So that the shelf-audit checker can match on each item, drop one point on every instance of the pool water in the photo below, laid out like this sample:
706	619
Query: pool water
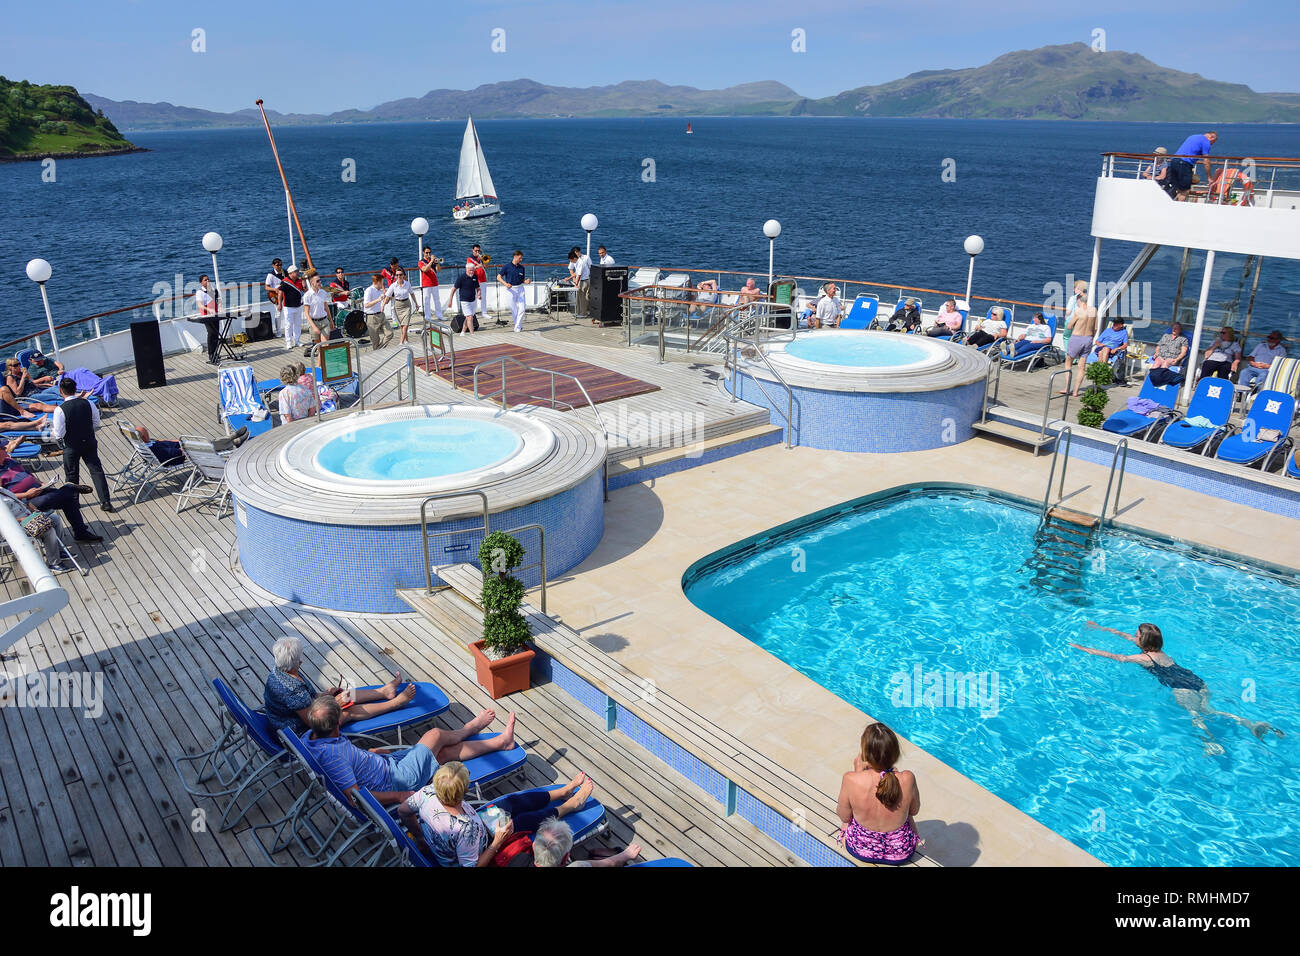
418	448
857	351
886	603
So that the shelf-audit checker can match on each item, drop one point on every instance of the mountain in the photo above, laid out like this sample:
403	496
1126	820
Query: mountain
510	99
1062	82
1070	81
40	121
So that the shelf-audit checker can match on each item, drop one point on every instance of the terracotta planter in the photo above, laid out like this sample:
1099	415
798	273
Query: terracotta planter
505	676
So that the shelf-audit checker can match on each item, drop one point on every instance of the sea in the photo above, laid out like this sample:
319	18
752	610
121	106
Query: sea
881	200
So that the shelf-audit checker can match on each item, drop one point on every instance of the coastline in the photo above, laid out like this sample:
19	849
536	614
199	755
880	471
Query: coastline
75	154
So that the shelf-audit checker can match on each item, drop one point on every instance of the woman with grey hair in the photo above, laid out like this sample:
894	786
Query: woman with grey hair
289	694
554	840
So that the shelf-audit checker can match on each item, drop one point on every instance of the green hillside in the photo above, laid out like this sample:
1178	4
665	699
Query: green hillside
52	121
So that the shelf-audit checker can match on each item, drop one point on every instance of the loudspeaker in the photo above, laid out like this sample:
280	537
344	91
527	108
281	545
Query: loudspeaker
263	330
146	342
607	283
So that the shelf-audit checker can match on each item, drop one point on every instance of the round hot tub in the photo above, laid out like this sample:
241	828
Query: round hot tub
865	390
328	514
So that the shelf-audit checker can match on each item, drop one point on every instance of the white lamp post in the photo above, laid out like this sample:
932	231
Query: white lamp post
212	243
38	270
974	245
771	229
589	223
419	226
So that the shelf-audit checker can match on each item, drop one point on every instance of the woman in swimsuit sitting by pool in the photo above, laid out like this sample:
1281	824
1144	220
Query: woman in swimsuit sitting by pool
1189	690
877	802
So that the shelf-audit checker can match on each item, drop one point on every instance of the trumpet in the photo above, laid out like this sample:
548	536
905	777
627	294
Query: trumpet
487	259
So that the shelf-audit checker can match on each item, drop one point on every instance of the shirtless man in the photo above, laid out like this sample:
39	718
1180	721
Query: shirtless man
1083	326
749	293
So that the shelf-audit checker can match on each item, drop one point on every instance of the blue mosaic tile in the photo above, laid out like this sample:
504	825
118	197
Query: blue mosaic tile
357	568
873	421
798	841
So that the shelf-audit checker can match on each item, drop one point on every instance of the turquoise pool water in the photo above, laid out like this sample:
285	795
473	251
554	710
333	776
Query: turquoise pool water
880	603
418	448
857	351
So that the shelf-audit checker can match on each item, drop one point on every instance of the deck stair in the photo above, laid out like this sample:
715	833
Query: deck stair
1062	548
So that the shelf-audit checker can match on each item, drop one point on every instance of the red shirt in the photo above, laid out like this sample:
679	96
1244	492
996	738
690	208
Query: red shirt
429	277
388	276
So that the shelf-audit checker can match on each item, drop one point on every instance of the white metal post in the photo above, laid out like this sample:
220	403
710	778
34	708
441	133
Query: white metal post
49	320
1194	353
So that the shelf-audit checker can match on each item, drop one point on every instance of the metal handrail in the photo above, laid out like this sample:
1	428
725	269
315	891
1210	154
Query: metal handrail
1068	434
435	361
758	351
1051	394
541	564
424	528
1120	458
406	352
600	420
313	353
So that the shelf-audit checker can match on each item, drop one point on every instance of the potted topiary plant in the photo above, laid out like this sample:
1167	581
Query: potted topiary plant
1094	397
502	658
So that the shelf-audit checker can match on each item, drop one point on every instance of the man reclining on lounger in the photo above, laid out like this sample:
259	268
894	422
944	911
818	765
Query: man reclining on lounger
388	776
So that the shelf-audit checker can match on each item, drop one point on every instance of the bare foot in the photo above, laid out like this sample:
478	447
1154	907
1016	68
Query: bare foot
578	800
508	735
481	721
578	779
406	696
389	690
1064	392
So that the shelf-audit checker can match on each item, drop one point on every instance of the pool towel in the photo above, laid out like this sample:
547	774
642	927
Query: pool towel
1200	421
104	389
1143	406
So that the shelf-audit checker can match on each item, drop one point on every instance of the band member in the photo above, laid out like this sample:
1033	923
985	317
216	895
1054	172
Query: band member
291	305
272	287
429	284
512	277
340	290
207	301
478	261
317	300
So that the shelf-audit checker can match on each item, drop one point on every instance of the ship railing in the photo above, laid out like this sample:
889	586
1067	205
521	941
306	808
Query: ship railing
1233	181
750	348
43	597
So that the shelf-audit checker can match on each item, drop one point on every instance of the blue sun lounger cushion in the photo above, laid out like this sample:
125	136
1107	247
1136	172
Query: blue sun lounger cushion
1263	434
1212	402
1129	422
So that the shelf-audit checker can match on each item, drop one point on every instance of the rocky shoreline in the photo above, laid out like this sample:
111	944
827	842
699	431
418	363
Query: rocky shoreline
76	154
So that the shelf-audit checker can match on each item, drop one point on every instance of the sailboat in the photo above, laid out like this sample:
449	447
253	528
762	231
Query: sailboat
475	191
688	129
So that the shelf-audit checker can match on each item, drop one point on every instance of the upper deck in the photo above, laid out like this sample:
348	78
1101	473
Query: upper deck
1248	206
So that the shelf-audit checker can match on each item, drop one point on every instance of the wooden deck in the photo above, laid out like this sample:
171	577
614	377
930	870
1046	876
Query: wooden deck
161	611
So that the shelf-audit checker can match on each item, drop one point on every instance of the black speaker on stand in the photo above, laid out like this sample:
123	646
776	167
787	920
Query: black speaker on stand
146	342
607	283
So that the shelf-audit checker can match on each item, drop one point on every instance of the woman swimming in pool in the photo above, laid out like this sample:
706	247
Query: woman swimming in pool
885	799
1189	690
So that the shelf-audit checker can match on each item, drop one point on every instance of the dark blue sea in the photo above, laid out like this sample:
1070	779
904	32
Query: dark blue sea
862	199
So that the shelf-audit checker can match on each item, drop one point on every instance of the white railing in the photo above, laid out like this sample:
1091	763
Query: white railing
46	598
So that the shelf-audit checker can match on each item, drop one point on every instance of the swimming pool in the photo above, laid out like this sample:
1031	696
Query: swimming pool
411	449
887	601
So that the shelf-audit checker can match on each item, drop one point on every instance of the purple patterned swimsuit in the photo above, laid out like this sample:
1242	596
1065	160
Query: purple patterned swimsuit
871	846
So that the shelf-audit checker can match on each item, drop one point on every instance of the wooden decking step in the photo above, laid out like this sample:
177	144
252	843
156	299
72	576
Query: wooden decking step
1074	517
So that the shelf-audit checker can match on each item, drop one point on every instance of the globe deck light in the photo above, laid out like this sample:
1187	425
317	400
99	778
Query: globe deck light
39	271
419	226
589	223
973	245
212	242
771	229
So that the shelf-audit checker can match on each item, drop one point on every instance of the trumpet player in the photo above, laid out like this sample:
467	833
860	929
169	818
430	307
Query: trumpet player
429	264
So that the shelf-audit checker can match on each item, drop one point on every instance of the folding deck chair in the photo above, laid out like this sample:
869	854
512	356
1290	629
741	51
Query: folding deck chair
143	470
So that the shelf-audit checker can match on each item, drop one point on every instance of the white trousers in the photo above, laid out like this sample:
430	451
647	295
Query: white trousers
292	326
517	306
429	295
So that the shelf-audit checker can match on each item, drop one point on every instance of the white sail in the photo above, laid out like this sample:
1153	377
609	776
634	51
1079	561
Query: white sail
472	178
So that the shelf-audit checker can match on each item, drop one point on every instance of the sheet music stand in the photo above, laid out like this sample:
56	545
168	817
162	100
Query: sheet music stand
224	348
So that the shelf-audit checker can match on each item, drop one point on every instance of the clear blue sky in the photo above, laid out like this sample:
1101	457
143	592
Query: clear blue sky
141	49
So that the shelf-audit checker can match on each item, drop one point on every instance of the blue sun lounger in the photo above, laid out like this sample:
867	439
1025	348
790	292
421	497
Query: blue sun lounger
1269	412
1130	423
1212	401
238	402
666	861
1292	469
862	313
1032	353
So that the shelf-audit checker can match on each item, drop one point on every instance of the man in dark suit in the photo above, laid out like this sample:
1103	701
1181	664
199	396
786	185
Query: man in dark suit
75	422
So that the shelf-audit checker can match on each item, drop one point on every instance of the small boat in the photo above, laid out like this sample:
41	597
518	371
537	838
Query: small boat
689	131
475	192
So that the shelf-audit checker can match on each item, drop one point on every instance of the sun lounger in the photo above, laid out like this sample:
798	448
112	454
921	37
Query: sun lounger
238	403
1264	434
862	313
1212	401
1030	354
1130	423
